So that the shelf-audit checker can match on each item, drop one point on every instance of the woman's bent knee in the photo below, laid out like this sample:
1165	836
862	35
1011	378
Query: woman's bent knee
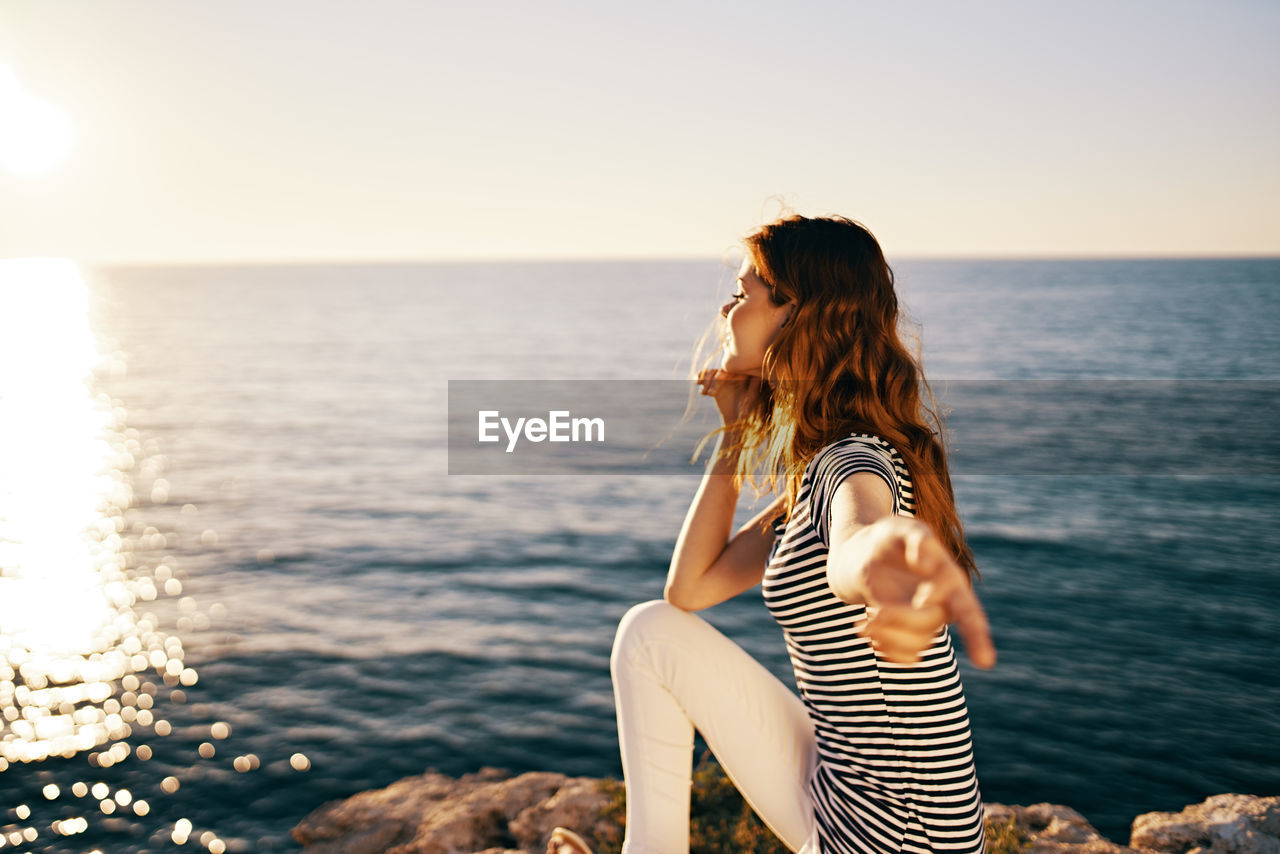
657	617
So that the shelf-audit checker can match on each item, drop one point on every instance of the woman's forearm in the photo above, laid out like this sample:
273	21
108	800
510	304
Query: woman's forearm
708	523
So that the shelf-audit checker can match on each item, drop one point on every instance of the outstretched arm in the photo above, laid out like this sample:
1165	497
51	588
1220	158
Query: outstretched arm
899	568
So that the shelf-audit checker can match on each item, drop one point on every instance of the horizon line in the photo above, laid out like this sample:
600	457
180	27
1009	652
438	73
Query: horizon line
630	259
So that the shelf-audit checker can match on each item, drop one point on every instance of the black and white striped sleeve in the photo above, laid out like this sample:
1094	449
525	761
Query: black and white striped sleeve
835	463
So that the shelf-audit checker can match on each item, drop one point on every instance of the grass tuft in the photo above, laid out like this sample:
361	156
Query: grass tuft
1006	837
719	819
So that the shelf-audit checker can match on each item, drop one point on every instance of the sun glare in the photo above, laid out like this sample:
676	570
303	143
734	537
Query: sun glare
35	135
69	635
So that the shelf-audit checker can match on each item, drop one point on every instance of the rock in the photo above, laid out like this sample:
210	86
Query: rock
489	812
1053	828
1222	824
575	805
492	812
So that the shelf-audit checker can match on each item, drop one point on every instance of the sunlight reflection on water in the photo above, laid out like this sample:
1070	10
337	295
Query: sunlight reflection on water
81	669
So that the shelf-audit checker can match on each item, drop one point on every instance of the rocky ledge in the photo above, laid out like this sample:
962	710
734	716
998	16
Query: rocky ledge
492	812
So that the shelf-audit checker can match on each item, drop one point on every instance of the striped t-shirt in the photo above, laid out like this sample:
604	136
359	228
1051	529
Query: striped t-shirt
895	769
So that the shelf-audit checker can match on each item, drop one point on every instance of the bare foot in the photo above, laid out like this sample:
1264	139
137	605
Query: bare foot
565	841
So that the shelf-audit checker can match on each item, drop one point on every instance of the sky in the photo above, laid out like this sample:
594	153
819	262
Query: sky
402	130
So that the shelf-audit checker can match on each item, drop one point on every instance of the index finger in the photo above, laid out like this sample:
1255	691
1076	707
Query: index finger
966	612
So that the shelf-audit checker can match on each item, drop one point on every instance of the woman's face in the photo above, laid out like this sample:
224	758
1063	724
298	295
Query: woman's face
752	322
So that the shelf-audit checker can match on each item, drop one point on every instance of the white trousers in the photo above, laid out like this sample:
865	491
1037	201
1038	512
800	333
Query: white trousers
674	672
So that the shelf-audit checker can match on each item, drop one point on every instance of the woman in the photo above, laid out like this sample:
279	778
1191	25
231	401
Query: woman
863	567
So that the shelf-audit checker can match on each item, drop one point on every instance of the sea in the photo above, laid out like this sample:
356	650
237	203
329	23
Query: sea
243	574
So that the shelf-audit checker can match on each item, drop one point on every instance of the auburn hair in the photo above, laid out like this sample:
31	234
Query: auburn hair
837	365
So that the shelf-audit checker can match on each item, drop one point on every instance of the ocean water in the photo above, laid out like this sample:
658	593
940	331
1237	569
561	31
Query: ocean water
283	598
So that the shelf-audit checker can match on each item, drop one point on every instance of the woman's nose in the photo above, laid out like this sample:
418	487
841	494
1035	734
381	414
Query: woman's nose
724	309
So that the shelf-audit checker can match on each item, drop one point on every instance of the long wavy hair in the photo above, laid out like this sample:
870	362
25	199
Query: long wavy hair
837	365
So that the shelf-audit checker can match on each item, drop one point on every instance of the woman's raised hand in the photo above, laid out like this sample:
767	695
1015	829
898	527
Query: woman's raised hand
729	390
912	587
